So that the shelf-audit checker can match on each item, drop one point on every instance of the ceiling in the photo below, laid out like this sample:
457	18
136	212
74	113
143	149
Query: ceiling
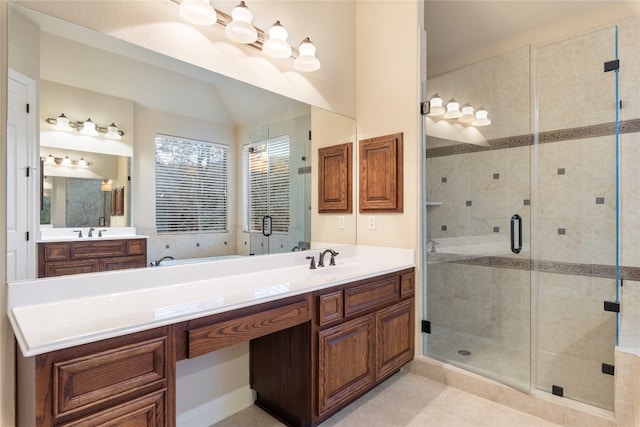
455	28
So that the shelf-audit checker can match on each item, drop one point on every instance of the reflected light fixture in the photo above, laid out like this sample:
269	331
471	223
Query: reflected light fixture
198	12
112	132
62	123
453	110
50	160
467	114
307	60
482	117
276	45
435	106
66	161
240	29
82	162
89	128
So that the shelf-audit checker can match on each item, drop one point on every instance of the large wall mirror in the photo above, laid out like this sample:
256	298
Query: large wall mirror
86	74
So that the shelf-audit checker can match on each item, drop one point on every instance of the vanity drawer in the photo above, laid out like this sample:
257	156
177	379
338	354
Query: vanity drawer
122	263
54	251
330	307
137	247
96	378
98	249
371	295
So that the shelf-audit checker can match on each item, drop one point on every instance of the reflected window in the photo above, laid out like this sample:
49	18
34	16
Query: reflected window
191	185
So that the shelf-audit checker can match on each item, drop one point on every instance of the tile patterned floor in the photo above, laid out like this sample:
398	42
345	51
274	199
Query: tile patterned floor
407	400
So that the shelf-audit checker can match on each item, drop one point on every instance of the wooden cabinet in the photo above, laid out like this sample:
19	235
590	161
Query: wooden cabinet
360	334
124	381
381	174
75	257
334	179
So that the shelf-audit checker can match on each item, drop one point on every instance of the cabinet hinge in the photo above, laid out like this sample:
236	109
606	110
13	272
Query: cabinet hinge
608	369
612	65
426	326
613	306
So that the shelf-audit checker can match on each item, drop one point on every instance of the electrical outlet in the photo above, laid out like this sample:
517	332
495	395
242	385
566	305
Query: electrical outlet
372	222
341	222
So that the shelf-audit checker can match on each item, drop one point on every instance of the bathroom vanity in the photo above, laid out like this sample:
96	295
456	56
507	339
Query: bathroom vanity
318	339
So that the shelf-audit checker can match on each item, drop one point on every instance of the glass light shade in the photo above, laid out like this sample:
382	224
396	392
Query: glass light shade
435	106
307	60
276	45
106	185
482	118
467	114
198	12
112	132
89	128
50	160
62	123
453	110
240	29
83	163
66	161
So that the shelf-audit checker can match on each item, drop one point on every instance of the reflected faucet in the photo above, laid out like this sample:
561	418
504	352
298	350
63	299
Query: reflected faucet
433	245
332	261
157	262
91	232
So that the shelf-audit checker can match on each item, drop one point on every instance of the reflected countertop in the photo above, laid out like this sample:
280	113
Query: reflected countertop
61	312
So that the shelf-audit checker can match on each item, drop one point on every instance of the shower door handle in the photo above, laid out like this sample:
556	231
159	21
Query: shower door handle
516	249
267	229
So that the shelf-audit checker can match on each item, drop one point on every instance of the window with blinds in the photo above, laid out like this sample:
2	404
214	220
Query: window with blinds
266	185
191	185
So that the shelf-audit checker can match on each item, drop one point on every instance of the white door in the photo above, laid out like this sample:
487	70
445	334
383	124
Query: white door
22	178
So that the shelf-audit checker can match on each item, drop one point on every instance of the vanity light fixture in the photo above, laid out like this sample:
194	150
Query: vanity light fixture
453	109
435	106
276	46
467	114
240	29
64	161
62	123
482	118
198	12
87	127
307	60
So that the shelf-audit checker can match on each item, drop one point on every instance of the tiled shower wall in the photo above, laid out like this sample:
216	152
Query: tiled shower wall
565	192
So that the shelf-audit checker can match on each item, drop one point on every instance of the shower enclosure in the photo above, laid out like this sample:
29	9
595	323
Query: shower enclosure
276	187
521	216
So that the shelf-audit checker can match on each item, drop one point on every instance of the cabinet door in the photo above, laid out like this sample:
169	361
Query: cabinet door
346	362
395	337
147	411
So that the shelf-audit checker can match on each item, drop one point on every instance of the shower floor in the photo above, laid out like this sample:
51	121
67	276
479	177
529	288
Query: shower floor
581	379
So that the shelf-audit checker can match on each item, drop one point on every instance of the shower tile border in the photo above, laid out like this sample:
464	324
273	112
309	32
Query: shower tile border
574	269
604	129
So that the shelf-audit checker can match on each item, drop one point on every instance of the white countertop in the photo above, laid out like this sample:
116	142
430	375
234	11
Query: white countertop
47	235
61	312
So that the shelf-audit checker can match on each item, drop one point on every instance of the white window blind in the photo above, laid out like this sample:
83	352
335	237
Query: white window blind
266	184
191	185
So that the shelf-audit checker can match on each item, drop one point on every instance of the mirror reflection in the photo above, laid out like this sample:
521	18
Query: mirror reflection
88	75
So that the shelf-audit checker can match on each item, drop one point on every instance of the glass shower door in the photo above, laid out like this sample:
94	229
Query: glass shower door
576	251
277	187
478	223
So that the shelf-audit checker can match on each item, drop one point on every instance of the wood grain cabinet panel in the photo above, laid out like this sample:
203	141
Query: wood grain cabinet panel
334	178
77	257
371	295
330	307
346	362
395	338
381	174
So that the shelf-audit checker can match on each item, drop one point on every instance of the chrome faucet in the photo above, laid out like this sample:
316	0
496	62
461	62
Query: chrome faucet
433	245
333	259
91	232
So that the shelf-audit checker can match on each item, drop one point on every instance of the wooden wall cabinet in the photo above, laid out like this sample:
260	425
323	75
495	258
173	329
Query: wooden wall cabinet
381	174
334	179
75	257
